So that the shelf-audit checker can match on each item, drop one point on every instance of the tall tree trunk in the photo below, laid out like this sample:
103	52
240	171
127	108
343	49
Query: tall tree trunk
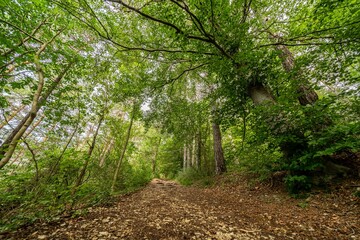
193	153
33	111
188	156
207	145
198	149
220	166
184	157
117	170
306	94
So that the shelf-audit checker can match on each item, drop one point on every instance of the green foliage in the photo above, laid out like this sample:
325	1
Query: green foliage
134	177
298	183
25	199
357	193
190	176
196	55
308	137
169	158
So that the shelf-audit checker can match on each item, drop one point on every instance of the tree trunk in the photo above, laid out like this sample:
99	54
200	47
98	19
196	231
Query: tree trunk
106	152
155	158
193	153
198	150
306	95
79	180
208	161
184	157
220	166
117	170
8	152
188	156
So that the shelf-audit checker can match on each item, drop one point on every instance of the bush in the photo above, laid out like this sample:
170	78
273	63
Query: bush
189	176
298	183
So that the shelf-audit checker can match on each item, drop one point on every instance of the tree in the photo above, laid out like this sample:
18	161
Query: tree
218	151
127	137
39	98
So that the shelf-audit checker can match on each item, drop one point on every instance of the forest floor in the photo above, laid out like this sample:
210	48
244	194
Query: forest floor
167	210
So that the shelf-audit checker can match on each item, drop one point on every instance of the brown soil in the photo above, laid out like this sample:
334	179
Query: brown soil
166	210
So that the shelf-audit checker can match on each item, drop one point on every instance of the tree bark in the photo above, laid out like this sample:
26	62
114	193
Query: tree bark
117	170
306	95
220	166
33	111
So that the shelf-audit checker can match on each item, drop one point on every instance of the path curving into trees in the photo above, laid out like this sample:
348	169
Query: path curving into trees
166	210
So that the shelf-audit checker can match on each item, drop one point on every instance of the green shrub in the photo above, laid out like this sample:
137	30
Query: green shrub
298	183
189	176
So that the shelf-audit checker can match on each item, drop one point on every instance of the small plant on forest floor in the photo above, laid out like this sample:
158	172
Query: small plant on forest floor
303	204
357	193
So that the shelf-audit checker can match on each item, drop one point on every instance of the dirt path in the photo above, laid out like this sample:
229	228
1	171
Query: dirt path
166	210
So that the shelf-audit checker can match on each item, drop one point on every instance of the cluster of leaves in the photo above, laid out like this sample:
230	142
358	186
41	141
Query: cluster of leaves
300	140
28	194
190	176
195	62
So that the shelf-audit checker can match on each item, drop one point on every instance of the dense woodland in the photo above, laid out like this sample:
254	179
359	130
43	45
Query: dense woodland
99	97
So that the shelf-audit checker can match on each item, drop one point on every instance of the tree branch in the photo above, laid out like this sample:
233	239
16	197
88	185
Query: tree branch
173	26
27	34
180	75
199	25
128	48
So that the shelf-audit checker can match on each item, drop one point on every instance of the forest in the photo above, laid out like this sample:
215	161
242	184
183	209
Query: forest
99	97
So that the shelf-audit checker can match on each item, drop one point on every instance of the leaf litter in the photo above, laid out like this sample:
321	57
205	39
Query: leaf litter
167	210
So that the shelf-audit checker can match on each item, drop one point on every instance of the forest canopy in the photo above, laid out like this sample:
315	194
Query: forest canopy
98	97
